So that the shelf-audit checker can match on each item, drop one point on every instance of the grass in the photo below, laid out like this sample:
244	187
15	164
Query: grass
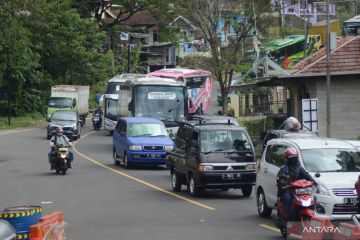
29	120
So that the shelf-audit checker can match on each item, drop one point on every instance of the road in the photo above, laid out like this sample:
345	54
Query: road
101	201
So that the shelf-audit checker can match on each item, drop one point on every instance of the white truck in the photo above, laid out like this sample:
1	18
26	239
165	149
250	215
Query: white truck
69	97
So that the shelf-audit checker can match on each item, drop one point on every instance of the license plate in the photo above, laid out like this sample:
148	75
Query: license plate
231	176
350	201
153	156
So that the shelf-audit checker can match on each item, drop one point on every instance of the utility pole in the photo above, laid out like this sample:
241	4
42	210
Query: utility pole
7	76
328	81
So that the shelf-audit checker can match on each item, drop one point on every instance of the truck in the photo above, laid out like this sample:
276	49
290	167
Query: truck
69	97
112	96
212	154
161	98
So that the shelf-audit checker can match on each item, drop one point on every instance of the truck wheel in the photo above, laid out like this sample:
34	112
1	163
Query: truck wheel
175	181
246	190
193	189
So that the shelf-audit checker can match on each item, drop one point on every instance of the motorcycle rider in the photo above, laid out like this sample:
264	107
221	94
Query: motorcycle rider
59	139
290	172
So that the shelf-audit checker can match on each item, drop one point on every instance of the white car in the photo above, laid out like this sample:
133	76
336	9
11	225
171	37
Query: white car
334	165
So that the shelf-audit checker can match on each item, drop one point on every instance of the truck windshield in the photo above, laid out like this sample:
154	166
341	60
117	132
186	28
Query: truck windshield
225	140
60	102
161	102
331	160
146	129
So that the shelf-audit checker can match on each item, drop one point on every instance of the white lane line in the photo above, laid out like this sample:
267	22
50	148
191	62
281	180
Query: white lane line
7	132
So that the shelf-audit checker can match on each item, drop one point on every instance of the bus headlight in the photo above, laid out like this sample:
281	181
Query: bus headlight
135	147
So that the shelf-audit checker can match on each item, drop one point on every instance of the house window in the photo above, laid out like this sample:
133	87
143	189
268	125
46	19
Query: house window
167	55
155	37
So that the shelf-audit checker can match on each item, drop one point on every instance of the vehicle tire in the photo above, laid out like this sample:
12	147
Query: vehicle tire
64	168
263	210
127	164
246	190
193	189
115	157
175	181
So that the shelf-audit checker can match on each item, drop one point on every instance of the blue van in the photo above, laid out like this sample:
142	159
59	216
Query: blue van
139	140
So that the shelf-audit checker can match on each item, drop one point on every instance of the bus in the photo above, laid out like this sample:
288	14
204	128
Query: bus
293	47
198	83
111	98
160	98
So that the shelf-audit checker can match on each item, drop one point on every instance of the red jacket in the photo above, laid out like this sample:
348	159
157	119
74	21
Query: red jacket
357	188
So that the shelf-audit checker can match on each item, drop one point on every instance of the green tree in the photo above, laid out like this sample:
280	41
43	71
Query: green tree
17	60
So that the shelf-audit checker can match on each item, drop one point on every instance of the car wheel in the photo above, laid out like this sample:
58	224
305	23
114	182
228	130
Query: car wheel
263	210
115	157
127	164
193	189
175	181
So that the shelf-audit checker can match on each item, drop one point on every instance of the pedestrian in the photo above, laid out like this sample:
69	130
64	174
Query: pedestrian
97	98
357	188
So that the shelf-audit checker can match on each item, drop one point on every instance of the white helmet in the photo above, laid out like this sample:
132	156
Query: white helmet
292	124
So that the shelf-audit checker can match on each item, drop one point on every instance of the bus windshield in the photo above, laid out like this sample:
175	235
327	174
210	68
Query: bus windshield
161	102
113	88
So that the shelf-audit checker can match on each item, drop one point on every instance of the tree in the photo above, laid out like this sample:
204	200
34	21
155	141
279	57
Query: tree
17	60
243	17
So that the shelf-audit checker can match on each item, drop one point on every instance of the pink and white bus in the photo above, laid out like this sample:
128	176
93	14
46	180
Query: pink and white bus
198	83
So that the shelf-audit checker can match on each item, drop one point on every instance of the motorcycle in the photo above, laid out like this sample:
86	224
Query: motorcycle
60	163
97	120
302	205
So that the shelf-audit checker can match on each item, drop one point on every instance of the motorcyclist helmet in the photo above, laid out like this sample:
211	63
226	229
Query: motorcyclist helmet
292	156
59	131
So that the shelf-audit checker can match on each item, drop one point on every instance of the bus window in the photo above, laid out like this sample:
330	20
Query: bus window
195	82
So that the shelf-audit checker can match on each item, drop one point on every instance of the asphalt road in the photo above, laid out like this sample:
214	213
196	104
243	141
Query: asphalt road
101	201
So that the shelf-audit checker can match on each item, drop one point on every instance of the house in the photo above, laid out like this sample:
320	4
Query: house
226	31
191	42
308	81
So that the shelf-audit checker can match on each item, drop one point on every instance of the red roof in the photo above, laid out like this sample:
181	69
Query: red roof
345	58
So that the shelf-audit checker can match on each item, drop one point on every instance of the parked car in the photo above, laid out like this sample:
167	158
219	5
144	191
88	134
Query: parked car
212	156
282	133
138	140
334	165
68	120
